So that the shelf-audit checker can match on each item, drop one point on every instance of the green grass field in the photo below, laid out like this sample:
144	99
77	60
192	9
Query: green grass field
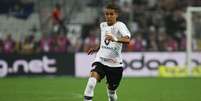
71	89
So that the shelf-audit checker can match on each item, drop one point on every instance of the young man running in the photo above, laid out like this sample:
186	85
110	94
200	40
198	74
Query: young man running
108	61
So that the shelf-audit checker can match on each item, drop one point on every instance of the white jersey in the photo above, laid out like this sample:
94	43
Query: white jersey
110	52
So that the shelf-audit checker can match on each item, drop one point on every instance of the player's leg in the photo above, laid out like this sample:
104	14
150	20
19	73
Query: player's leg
96	75
89	90
114	76
112	95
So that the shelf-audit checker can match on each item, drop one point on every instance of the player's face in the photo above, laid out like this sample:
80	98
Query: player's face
110	16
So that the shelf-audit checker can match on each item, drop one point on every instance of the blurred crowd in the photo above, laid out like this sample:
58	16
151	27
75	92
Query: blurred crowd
156	25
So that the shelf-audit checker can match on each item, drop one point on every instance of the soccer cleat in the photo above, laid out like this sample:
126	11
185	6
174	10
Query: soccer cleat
87	98
112	96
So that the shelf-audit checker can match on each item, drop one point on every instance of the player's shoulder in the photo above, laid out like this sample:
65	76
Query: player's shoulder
119	23
103	24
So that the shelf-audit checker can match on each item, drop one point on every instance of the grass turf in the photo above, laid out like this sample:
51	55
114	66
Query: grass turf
71	89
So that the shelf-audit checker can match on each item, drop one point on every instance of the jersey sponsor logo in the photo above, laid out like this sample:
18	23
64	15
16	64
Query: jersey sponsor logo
108	60
111	48
114	49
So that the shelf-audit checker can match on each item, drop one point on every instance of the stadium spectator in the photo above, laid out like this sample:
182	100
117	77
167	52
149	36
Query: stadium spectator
171	44
161	40
1	44
131	46
46	44
182	44
175	24
136	43
91	41
152	41
75	40
58	20
62	43
28	46
8	44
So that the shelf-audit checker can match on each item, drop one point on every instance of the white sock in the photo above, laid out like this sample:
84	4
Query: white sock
89	90
112	95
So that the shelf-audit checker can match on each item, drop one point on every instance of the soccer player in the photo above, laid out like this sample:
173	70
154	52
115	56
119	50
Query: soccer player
108	61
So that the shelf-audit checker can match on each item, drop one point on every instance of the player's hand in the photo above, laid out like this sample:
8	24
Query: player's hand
91	51
109	37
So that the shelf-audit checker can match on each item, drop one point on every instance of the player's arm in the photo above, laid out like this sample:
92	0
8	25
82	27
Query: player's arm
124	39
93	50
125	34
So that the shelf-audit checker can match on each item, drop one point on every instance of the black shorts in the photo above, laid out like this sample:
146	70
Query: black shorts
113	74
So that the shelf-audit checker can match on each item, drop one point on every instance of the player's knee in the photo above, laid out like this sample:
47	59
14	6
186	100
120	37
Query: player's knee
95	75
113	86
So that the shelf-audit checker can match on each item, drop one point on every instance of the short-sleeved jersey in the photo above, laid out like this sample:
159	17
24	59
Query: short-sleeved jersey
110	52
